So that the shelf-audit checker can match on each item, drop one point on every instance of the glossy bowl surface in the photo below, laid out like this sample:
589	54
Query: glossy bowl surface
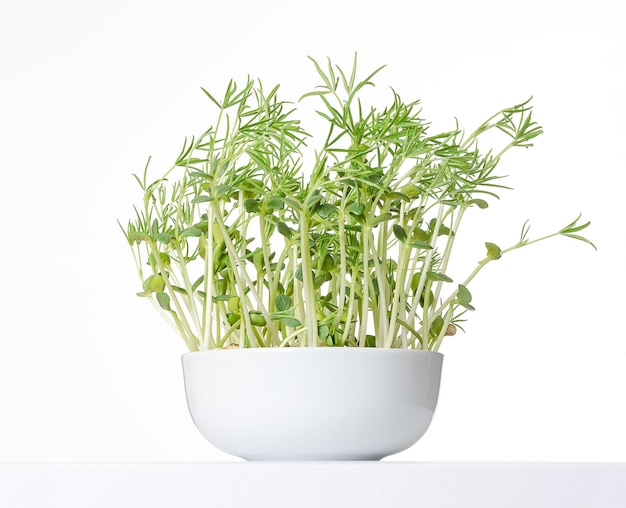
312	403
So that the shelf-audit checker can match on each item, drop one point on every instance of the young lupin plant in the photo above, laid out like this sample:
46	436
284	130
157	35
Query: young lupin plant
236	246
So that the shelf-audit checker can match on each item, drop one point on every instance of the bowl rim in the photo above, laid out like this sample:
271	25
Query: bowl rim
318	350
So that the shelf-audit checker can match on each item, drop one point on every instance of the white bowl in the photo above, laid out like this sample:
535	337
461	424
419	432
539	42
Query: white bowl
312	403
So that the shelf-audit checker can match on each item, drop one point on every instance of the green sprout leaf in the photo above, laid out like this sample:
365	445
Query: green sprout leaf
289	321
436	326
323	331
480	203
298	274
327	211
438	276
493	251
201	199
138	236
420	245
275	203
164	300
192	231
197	283
464	297
257	319
251	205
574	227
356	208
222	298
155	283
415	280
398	195
234	304
223	190
410	190
400	233
381	218
163	238
285	230
283	303
314	202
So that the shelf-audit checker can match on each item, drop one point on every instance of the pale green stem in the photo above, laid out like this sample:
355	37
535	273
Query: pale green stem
398	302
451	298
191	306
183	326
190	338
207	309
342	262
171	322
266	256
307	279
281	259
482	264
399	296
298	303
414	332
286	340
366	276
350	310
230	332
485	126
383	283
423	277
448	250
241	276
407	291
383	302
444	329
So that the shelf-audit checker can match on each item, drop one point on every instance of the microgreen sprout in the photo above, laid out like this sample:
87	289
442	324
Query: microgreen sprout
236	245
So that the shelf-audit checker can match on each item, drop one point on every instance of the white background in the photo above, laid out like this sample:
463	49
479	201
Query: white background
88	90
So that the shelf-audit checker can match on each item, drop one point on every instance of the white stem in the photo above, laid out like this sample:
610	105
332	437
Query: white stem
241	276
208	285
448	250
307	280
364	301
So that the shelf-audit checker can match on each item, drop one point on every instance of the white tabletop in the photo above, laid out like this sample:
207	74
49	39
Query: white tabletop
323	484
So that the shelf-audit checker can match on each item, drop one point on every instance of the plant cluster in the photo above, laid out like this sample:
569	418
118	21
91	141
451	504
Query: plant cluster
237	247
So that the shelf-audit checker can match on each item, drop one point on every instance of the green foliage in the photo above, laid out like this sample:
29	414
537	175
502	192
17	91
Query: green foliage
236	244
